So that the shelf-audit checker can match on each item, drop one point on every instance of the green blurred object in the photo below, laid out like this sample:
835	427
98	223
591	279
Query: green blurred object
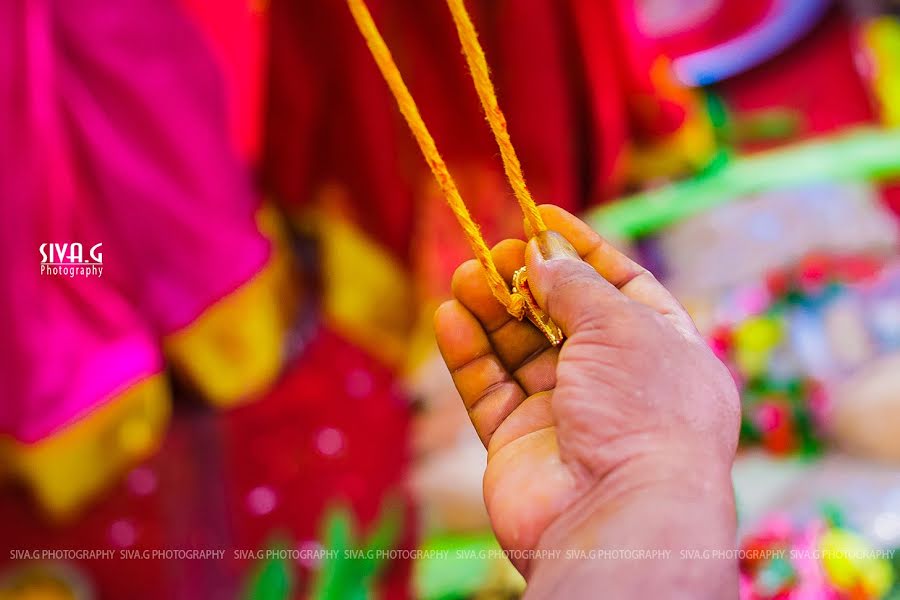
834	515
351	574
859	154
777	577
462	575
894	594
719	116
763	125
271	579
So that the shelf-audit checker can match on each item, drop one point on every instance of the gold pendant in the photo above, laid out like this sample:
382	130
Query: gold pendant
537	316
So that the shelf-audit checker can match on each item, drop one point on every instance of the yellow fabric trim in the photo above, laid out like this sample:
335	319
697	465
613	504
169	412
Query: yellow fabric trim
230	353
422	345
68	468
233	352
682	152
882	36
366	294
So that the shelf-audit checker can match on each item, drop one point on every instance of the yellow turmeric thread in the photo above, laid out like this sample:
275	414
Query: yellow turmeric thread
482	79
513	302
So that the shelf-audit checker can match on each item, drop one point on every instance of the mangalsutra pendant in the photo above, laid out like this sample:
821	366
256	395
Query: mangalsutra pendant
534	312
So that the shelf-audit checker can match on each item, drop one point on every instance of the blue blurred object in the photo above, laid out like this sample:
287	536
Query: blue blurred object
787	21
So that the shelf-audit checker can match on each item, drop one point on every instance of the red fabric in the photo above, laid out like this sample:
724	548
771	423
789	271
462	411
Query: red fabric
330	118
276	444
719	22
816	77
570	78
197	495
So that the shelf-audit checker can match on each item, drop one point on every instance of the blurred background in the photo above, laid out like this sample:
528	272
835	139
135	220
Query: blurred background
245	401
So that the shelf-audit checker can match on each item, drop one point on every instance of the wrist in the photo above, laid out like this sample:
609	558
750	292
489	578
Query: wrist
644	527
671	479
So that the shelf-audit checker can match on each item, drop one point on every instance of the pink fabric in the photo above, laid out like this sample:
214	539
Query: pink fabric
114	130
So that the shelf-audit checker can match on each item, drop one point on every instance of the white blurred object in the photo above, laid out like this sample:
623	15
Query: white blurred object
449	458
447	485
747	238
866	411
866	493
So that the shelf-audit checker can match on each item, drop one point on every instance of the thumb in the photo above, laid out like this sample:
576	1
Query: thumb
566	287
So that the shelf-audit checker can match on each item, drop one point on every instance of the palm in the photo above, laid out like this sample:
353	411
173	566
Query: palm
526	484
506	373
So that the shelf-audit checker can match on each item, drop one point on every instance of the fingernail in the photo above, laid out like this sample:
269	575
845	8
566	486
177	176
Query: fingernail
553	246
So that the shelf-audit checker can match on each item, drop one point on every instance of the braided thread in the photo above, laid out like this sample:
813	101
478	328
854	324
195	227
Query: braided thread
513	302
474	54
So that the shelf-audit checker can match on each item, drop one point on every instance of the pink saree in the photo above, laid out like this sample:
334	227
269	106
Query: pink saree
115	131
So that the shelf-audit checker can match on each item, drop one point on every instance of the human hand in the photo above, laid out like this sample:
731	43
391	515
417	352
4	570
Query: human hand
632	412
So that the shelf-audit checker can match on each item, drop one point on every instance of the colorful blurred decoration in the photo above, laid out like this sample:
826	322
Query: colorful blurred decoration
820	559
717	262
796	339
783	277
